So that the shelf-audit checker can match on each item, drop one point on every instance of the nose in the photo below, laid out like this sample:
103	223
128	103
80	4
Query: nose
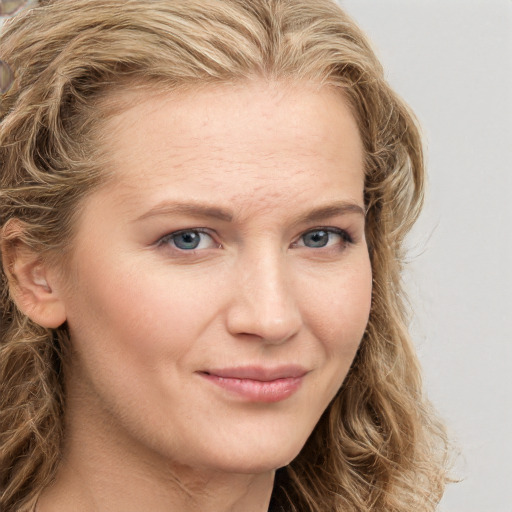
264	303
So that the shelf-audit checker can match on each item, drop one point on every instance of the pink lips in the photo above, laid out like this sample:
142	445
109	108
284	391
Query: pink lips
258	384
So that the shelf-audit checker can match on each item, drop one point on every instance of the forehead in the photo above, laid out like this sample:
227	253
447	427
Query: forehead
230	141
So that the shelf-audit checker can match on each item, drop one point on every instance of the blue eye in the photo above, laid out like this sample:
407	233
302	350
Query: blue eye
189	240
319	238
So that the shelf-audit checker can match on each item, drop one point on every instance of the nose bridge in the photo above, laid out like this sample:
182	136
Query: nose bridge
264	304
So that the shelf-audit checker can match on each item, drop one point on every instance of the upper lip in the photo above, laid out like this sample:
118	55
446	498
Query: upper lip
259	372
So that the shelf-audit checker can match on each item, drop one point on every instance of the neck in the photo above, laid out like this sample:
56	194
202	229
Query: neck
103	470
103	493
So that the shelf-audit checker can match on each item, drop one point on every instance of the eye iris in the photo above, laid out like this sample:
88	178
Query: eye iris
316	238
187	240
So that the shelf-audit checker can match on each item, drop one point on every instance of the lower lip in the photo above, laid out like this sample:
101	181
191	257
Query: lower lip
257	390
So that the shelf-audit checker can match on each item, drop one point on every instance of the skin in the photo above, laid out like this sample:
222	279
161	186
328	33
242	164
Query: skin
145	429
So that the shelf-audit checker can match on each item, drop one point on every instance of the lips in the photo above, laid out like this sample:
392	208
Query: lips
257	384
259	373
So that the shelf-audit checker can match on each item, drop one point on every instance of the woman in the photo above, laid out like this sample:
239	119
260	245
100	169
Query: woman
203	207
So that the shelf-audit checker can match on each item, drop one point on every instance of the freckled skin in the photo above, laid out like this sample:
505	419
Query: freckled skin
145	318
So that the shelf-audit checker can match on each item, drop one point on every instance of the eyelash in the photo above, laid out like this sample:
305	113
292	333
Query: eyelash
171	236
343	234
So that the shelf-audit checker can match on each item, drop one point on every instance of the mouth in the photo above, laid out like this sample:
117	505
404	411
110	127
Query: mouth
257	384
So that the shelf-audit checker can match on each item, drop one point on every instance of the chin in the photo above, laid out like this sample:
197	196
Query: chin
258	461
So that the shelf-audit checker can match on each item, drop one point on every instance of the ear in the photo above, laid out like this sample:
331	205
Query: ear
32	282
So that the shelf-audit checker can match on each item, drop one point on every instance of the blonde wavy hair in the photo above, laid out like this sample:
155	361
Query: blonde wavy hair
378	446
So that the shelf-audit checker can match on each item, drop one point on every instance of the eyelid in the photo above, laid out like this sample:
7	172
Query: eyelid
169	236
343	233
329	229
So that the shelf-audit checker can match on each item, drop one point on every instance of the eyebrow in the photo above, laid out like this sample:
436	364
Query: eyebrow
207	211
332	210
190	209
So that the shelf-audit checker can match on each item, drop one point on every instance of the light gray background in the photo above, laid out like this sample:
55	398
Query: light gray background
452	62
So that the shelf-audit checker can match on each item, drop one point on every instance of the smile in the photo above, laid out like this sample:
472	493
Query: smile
256	384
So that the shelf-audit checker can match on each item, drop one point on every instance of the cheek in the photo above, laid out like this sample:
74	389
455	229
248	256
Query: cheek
133	315
339	308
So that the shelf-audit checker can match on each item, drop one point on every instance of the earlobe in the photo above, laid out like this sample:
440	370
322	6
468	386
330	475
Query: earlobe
30	283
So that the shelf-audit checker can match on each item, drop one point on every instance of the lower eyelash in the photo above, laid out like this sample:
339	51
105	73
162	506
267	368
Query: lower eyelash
346	237
341	232
167	238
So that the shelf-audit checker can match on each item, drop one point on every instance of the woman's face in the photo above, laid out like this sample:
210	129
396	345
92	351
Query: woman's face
220	283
